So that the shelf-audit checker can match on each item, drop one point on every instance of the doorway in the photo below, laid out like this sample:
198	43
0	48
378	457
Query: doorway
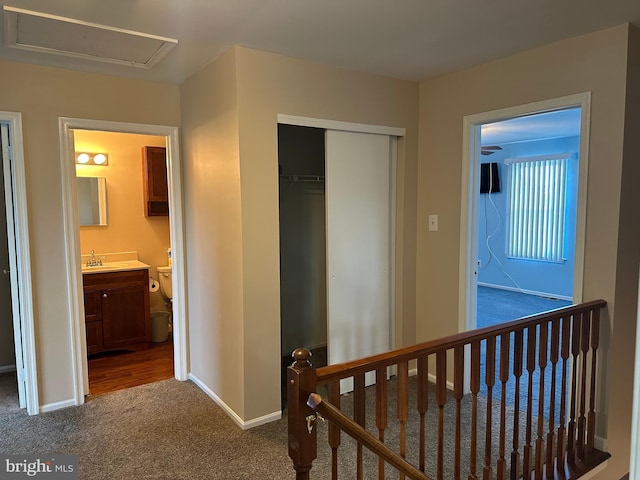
114	222
471	182
349	254
526	241
76	303
20	317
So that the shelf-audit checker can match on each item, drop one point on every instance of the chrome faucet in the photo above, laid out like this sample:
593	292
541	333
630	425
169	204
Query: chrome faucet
93	260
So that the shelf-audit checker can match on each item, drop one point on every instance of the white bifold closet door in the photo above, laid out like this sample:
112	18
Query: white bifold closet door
358	218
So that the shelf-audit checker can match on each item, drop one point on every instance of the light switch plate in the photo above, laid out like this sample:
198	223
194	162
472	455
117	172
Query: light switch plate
433	223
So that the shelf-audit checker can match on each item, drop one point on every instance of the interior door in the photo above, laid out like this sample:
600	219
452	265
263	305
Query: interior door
9	305
358	199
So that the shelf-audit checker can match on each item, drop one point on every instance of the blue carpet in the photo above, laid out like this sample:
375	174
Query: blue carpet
498	306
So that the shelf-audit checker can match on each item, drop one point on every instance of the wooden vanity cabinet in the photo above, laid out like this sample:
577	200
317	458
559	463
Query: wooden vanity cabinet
154	173
116	309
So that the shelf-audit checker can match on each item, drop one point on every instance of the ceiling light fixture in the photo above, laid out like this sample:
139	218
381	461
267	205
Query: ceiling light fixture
92	159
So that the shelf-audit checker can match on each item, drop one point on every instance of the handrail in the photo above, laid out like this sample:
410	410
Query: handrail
363	437
556	439
332	373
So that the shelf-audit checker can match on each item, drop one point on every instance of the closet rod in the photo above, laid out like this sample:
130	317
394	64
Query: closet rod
303	178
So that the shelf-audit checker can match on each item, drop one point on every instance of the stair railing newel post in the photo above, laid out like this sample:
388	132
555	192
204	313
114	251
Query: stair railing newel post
301	382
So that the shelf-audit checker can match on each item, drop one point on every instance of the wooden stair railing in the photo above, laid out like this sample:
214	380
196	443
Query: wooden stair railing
549	443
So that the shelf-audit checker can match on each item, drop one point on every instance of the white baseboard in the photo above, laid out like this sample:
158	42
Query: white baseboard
7	368
243	424
50	407
528	292
431	376
600	443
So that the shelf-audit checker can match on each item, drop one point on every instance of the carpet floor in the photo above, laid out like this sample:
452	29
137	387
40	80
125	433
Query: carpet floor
173	430
497	306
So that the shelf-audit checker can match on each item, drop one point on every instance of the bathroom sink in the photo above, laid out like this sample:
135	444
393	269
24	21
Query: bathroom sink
115	266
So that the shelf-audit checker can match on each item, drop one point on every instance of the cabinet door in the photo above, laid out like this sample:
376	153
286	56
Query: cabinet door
123	316
93	321
155	181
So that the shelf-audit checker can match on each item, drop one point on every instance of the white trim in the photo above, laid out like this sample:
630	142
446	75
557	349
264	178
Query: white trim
72	242
343	126
431	377
244	425
23	262
50	407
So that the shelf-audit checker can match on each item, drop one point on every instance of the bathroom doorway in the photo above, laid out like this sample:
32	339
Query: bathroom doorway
114	221
71	137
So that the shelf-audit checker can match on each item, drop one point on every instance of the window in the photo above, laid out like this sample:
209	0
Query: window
537	206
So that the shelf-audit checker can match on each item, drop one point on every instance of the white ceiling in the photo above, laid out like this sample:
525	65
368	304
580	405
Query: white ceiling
541	126
409	39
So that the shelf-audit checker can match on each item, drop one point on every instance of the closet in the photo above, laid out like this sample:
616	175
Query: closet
335	242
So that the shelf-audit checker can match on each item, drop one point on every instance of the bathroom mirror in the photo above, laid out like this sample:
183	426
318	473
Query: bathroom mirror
92	200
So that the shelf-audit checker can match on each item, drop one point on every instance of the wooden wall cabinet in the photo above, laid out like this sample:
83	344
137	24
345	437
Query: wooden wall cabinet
154	173
116	308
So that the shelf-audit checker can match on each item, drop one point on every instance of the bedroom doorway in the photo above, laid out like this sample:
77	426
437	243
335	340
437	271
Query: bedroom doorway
471	259
519	272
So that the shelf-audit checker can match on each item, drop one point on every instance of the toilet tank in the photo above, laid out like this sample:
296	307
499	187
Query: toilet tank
165	279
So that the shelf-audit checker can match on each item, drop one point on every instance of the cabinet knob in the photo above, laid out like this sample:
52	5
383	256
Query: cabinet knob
104	295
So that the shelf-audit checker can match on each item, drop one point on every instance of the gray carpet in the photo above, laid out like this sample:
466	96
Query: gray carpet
172	430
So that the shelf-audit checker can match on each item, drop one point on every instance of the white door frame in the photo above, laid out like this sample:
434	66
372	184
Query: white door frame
20	264
72	243
394	133
471	178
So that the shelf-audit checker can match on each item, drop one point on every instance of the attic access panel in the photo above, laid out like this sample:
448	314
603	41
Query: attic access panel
41	32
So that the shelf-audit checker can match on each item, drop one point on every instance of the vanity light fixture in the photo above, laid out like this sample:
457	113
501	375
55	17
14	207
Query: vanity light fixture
92	159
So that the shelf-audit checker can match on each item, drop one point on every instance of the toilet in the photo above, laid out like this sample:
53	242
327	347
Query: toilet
166	289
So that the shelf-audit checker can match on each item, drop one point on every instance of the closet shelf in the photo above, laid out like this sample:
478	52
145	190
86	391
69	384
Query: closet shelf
302	178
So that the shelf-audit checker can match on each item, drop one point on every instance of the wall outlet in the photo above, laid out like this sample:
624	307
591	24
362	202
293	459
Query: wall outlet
433	223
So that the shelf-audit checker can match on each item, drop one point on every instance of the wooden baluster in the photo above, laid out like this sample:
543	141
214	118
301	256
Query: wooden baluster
542	363
458	391
333	431
504	377
564	354
475	388
575	350
518	353
555	347
423	404
441	400
490	380
595	339
381	411
527	464
403	407
301	382
359	416
585	336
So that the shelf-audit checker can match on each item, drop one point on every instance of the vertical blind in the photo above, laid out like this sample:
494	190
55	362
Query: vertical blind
537	207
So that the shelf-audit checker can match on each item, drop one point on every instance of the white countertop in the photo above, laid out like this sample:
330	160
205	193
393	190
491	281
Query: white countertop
114	262
115	266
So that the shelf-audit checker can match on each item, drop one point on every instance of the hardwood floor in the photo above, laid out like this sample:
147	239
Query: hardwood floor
111	371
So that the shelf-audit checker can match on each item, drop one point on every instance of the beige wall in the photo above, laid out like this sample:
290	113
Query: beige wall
128	228
231	182
43	95
595	63
270	84
213	218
